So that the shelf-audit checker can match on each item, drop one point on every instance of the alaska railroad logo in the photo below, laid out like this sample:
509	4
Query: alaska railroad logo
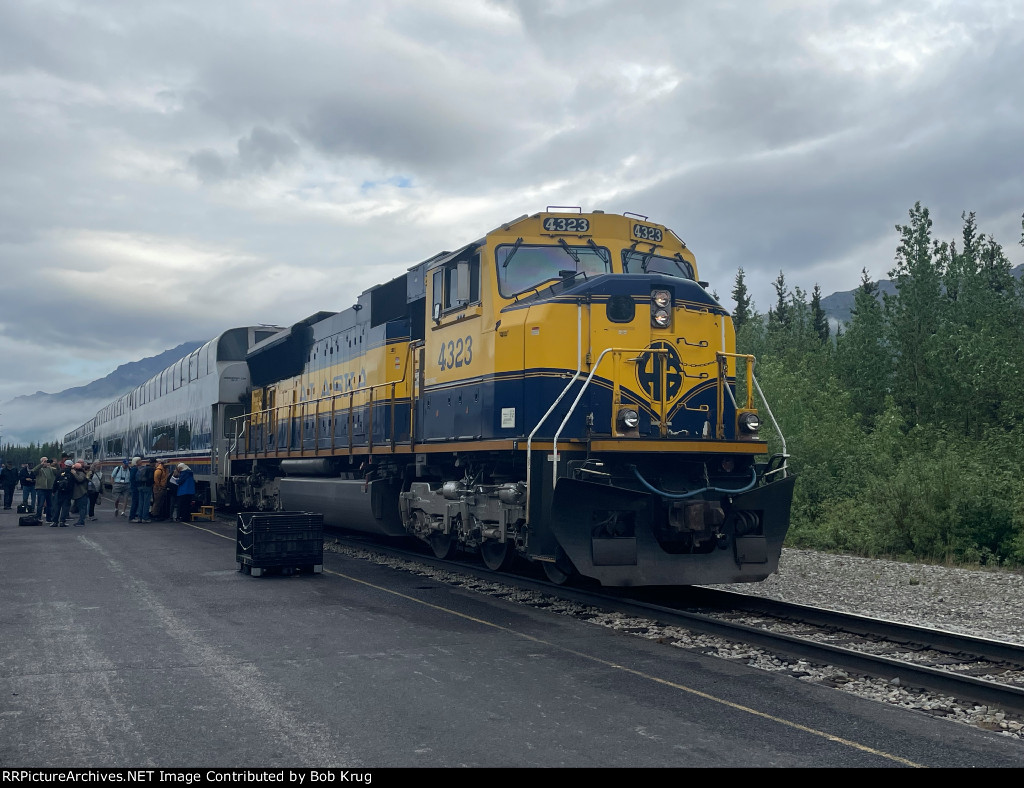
648	372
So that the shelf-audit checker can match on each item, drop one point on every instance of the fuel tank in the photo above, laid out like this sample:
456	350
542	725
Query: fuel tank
359	505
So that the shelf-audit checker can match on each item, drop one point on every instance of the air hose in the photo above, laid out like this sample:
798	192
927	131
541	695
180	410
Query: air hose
682	496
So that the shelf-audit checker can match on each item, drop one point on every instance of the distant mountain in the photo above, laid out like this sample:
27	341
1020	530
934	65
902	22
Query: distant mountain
839	306
45	417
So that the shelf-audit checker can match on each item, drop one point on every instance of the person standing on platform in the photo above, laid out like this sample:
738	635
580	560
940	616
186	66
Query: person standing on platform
133	474
45	477
80	493
95	474
160	475
144	483
64	490
8	481
185	482
120	479
28	486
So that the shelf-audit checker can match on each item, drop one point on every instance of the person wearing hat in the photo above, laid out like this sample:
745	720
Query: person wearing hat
185	483
119	481
45	477
64	486
160	497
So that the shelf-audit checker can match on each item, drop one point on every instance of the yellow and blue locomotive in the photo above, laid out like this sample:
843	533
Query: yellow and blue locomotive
563	390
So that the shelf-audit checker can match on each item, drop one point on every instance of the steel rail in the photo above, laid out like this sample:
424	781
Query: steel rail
894	631
911	676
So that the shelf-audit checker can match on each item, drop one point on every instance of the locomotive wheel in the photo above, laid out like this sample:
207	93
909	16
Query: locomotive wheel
497	556
560	570
444	546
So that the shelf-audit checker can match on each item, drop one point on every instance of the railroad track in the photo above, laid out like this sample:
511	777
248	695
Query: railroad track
983	671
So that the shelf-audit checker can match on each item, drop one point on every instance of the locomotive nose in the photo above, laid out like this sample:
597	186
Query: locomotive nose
654	340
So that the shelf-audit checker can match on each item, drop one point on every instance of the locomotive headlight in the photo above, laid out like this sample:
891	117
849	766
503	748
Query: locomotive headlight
661	298
749	422
660	318
629	418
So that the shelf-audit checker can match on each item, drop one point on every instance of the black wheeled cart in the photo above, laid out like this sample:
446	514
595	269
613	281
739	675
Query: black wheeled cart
279	541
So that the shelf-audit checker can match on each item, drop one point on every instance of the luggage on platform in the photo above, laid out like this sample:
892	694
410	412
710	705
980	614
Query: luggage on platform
29	519
23	508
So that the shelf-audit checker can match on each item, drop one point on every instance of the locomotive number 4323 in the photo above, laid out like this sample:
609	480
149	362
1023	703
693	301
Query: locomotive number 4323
456	353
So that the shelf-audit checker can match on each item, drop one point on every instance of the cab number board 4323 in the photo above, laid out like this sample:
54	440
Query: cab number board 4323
645	233
456	353
567	224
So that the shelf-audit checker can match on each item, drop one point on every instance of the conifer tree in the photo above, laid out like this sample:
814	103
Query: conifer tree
863	357
981	324
744	305
780	317
914	316
818	319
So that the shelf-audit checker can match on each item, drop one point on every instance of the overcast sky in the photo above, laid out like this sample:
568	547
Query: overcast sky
171	169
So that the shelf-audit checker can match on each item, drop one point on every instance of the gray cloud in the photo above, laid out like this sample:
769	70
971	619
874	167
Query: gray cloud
171	169
259	152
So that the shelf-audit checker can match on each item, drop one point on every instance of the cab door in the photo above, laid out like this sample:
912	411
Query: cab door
452	401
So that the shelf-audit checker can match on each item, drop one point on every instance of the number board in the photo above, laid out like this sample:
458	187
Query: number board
646	233
567	224
456	353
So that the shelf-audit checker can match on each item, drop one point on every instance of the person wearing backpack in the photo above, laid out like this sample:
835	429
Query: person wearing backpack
45	477
64	489
144	483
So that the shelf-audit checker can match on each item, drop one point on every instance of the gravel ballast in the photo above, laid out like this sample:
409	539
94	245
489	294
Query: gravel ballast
983	603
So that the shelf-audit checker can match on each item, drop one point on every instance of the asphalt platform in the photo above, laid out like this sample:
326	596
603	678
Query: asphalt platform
141	645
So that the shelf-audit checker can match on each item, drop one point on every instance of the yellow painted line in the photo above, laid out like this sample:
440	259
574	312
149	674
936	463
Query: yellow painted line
614	666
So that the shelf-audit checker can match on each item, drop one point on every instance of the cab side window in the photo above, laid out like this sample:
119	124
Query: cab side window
455	285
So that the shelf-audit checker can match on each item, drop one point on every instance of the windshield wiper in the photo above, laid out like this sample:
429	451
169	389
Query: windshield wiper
688	270
627	256
599	252
569	251
515	248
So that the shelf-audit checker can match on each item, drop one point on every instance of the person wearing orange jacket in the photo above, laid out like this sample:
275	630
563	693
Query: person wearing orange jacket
160	476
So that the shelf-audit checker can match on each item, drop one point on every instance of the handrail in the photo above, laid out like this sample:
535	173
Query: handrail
767	407
722	360
333	396
583	388
752	385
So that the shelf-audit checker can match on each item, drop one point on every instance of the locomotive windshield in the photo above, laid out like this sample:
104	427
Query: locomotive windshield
649	263
522	266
